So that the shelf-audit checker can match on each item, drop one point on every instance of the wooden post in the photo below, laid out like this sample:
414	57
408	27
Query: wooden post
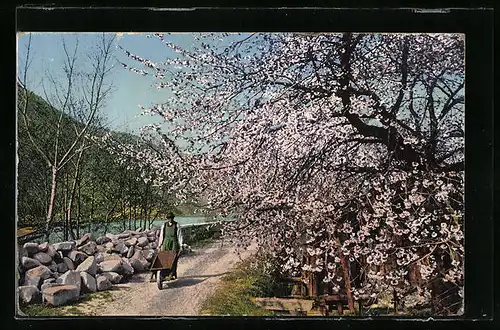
309	284
326	310
395	300
340	308
313	279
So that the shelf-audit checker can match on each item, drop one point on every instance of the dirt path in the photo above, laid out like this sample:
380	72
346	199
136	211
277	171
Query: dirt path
198	275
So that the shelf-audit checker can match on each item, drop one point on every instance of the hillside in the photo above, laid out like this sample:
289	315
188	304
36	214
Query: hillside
101	190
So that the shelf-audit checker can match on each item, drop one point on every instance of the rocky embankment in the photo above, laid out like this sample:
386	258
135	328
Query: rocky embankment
62	272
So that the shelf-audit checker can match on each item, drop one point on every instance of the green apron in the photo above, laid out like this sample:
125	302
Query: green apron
170	240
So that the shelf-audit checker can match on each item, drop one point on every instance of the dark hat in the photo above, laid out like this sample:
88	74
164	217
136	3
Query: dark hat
170	215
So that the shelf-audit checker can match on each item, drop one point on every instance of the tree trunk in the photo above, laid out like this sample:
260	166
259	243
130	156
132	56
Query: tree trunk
445	298
79	206
67	227
152	220
129	215
122	211
73	190
110	212
92	205
395	301
130	205
347	280
50	211
143	225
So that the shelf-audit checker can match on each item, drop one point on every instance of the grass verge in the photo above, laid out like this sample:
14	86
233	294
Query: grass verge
75	309
234	292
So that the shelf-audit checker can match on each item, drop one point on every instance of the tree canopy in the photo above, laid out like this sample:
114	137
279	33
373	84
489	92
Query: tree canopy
341	153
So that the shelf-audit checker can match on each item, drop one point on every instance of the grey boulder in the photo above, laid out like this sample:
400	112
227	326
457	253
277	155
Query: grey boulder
120	248
111	266
52	252
148	254
71	277
89	283
31	247
100	248
112	257
62	267
128	270
99	257
29	294
44	258
29	263
53	267
102	240
69	263
109	247
138	261
61	294
65	246
90	248
131	242
43	247
124	235
76	256
131	251
137	265
85	239
111	236
89	266
113	277
103	283
22	252
34	275
48	285
142	241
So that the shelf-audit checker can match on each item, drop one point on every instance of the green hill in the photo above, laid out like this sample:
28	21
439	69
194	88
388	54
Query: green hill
105	189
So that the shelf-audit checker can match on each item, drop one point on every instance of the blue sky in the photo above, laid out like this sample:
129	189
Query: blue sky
131	89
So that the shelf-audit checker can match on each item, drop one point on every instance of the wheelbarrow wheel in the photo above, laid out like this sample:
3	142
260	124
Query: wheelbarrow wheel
159	280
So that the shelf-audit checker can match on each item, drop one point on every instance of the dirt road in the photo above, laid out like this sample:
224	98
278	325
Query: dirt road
198	274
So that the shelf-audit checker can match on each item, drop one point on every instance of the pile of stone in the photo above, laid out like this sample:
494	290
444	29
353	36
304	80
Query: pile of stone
62	272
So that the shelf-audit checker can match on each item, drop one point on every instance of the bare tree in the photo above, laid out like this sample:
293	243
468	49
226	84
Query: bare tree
79	94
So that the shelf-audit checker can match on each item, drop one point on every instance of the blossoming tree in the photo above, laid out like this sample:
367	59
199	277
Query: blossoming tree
342	154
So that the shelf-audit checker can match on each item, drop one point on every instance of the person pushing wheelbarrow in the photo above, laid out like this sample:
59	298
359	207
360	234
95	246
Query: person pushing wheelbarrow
170	240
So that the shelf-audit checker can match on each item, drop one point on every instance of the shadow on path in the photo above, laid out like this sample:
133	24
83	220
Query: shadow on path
190	280
139	278
184	282
204	276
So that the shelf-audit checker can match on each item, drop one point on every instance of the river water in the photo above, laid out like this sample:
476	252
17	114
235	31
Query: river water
119	226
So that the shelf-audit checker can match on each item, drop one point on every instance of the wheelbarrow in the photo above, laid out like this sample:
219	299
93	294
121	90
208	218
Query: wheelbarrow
163	262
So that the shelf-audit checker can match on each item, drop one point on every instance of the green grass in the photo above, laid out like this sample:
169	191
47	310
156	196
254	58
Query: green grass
72	309
105	295
233	294
36	310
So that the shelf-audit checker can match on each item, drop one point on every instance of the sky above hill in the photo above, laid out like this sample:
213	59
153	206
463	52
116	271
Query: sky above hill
131	90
